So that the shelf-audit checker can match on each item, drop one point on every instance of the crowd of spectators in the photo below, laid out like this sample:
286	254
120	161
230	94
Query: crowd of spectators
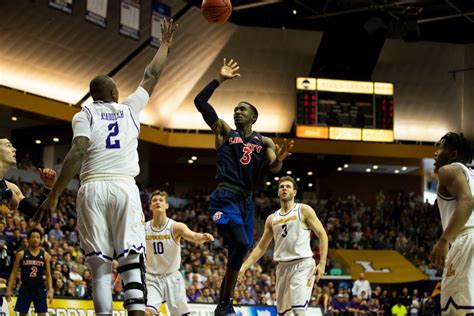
404	223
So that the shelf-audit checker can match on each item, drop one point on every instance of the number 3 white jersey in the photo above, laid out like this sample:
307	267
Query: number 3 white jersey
292	237
163	253
112	129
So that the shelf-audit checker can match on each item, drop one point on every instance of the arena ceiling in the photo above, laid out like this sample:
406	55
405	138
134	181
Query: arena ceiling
52	54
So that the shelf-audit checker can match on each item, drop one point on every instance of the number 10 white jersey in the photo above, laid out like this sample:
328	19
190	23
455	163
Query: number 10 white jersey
112	129
163	253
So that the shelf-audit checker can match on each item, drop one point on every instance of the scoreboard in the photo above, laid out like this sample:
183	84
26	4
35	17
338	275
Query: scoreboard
343	109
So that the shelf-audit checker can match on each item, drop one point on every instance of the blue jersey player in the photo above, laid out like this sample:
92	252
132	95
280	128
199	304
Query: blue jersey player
241	154
35	265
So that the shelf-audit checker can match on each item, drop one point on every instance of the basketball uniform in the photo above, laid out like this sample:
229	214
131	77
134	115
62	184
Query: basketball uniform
239	161
110	217
164	282
32	287
296	266
457	286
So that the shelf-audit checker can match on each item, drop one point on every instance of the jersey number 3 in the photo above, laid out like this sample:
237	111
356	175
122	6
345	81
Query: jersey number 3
246	158
114	130
285	230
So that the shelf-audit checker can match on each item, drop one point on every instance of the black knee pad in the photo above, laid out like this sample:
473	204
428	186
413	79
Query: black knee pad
135	285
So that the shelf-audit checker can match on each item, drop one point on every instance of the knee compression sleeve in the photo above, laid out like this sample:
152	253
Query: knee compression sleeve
132	270
102	278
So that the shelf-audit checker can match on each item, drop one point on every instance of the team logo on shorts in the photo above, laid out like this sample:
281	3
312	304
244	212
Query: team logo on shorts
217	216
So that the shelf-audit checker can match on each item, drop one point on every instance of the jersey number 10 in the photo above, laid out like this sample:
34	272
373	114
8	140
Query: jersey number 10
158	248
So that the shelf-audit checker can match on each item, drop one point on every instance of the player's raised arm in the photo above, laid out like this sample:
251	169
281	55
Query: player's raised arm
313	222
454	180
180	230
228	71
261	247
277	153
155	67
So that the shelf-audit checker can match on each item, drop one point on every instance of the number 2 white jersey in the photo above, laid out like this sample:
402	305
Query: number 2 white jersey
447	205
163	253
112	129
292	237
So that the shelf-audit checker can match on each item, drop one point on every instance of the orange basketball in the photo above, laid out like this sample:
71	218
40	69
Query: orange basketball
216	11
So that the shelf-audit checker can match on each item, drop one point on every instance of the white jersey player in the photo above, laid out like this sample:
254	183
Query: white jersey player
110	218
290	227
163	258
455	203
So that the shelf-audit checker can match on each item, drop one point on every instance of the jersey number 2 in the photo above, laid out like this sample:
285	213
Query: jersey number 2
245	160
34	272
114	130
158	248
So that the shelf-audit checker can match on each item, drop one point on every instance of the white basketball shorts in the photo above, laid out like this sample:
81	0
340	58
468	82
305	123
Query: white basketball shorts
110	219
294	284
168	288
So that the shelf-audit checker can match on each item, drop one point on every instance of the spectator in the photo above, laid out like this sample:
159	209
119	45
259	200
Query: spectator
361	285
205	297
399	309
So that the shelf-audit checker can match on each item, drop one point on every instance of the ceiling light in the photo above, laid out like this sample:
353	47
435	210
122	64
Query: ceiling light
310	173
14	118
397	171
298	179
404	168
346	166
268	183
375	167
55	139
38	141
276	178
368	170
339	169
294	12
310	185
289	172
190	161
194	158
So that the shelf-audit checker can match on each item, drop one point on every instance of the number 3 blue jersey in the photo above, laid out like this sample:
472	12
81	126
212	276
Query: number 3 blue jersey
240	159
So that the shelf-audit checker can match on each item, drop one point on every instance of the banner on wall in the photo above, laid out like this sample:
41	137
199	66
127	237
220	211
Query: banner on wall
67	307
159	12
130	18
96	12
61	5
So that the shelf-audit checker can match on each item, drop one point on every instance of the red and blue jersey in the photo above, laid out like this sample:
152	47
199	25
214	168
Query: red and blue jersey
240	159
32	270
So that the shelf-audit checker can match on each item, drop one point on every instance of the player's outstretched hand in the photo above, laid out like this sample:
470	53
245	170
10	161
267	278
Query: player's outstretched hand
319	272
48	176
43	214
202	238
167	31
439	253
229	70
241	276
284	150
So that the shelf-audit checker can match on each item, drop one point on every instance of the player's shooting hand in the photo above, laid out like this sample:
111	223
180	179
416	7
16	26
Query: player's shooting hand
439	253
8	295
319	272
50	296
167	31
48	176
43	213
284	150
229	70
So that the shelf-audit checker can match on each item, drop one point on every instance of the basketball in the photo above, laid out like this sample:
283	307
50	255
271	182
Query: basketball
216	11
